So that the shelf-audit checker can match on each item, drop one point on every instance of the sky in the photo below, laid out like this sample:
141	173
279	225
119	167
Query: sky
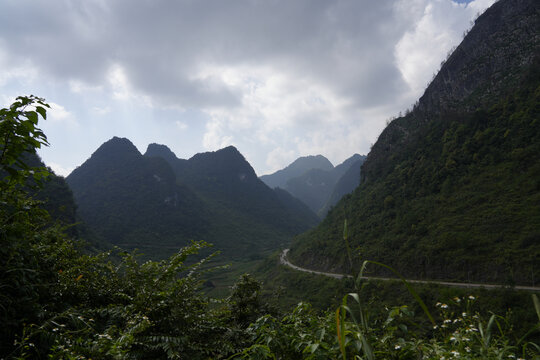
278	79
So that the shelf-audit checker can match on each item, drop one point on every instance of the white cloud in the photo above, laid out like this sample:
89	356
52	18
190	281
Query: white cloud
119	83
479	6
439	27
279	156
180	125
59	169
277	78
15	68
58	114
214	138
101	110
79	87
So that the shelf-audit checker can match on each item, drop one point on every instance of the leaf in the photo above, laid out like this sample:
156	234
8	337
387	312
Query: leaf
536	306
409	287
32	116
41	110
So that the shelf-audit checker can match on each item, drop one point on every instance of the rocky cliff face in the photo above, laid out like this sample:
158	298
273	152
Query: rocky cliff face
491	59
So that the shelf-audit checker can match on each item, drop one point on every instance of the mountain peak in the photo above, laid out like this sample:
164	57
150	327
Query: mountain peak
489	64
226	154
297	168
471	77
226	160
117	149
312	162
230	150
159	150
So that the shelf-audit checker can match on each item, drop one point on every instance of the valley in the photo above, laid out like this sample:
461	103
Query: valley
146	255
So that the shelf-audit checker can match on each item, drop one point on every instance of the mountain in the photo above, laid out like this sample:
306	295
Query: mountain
451	190
134	201
229	186
345	185
341	169
295	169
55	195
159	203
313	186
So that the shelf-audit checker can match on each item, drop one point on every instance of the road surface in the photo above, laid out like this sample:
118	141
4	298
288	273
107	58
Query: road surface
286	262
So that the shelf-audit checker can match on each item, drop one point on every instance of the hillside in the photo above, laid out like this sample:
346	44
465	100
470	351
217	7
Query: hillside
295	169
55	194
159	203
451	190
344	185
313	180
133	201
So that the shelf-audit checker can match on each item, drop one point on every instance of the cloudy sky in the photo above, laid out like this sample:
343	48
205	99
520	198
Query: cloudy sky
278	79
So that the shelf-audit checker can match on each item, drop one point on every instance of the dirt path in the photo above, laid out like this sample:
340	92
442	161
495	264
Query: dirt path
286	262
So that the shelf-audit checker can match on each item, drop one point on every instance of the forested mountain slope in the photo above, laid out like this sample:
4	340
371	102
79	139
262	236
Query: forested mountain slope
244	209
159	203
134	201
55	194
452	190
314	180
344	185
315	186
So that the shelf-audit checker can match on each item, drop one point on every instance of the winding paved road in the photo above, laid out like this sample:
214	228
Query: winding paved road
284	261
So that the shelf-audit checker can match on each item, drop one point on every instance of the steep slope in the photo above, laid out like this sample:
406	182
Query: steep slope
345	185
295	169
296	205
315	186
341	169
55	194
134	201
158	202
451	190
244	210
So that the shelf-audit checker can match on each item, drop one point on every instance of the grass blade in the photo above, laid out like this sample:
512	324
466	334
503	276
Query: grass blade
409	287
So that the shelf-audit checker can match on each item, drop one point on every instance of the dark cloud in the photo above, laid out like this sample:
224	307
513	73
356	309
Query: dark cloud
162	44
277	78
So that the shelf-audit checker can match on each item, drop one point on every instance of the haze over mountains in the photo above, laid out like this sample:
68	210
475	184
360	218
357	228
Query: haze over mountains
315	181
451	190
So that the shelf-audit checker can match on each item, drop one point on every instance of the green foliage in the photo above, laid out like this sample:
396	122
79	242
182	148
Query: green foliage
127	310
159	203
19	134
461	332
60	303
245	301
458	201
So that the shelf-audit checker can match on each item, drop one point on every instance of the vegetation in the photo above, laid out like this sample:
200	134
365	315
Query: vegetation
458	201
159	203
459	190
59	303
316	182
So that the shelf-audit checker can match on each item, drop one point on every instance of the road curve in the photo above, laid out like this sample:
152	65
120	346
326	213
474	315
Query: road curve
284	261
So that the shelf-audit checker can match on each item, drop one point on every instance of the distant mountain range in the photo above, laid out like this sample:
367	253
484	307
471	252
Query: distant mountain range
158	203
316	182
452	189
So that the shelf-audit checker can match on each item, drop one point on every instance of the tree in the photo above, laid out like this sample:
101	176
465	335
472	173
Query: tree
19	134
